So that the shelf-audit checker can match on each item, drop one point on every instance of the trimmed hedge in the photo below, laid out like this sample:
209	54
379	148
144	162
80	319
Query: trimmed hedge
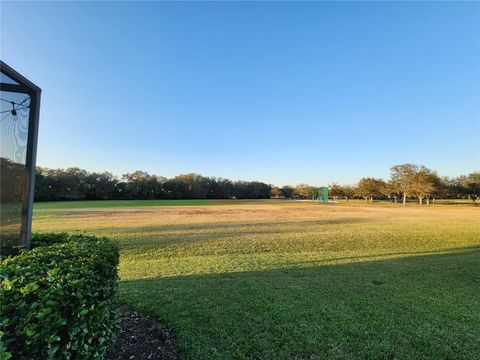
57	301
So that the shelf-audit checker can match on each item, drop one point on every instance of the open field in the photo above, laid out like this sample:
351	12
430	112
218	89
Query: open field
87	204
298	280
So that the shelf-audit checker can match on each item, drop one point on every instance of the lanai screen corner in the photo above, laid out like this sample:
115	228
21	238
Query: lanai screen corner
19	115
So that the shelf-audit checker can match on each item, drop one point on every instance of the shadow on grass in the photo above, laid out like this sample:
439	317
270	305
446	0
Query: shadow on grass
466	203
254	225
419	307
184	234
395	255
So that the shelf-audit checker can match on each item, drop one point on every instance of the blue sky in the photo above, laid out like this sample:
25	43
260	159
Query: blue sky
279	92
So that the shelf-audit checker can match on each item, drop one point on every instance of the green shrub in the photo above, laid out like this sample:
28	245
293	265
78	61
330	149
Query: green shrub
57	301
47	239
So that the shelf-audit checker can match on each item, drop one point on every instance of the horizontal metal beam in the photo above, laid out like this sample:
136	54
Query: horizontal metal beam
16	88
20	79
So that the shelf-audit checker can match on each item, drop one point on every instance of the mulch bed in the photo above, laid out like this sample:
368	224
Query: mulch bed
143	337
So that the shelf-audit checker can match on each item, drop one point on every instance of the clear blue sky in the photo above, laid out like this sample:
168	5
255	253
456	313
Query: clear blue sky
279	92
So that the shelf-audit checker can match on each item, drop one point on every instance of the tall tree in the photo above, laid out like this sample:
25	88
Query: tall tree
276	192
139	185
469	185
336	190
390	191
440	187
368	188
423	184
403	179
287	191
304	191
100	186
348	191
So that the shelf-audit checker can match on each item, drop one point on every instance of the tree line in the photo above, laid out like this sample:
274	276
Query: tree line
79	184
412	181
406	181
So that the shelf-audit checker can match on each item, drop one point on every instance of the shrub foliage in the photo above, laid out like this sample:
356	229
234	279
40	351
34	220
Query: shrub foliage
57	301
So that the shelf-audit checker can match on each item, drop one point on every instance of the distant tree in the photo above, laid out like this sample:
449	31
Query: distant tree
444	188
336	191
302	191
423	184
218	188
287	191
140	185
348	191
43	185
240	189
195	185
251	190
224	189
403	179
60	184
440	187
407	180
259	190
276	192
99	186
11	178
178	187
369	188
313	193
469	185
390	191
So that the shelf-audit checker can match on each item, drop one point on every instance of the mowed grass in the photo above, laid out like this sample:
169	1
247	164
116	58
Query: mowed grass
89	204
299	281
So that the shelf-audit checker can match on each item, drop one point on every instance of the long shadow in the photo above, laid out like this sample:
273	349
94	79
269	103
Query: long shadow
235	225
362	258
153	236
193	233
419	307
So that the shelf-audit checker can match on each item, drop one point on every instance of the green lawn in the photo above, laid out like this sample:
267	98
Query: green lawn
87	204
117	203
299	281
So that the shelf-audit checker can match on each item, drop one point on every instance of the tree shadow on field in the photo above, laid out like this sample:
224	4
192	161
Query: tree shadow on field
417	307
360	259
193	233
470	204
244	224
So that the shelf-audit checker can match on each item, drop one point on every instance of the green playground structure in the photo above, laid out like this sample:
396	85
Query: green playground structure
323	194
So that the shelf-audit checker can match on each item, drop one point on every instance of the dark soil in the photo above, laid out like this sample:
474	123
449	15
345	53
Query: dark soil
142	337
